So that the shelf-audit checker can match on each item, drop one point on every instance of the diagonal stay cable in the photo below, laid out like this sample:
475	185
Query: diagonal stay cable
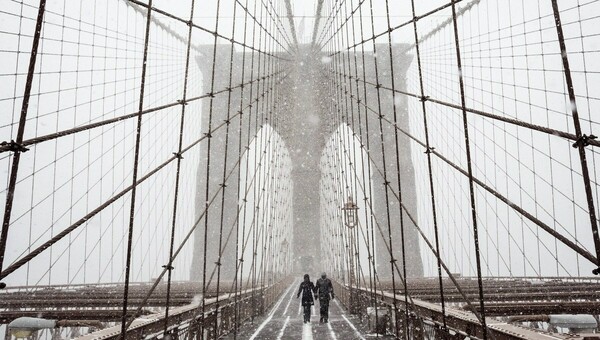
19	263
482	113
213	197
406	23
415	223
214	33
48	137
17	145
290	16
408	296
580	250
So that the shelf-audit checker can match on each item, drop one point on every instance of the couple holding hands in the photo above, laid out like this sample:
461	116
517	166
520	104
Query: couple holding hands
323	290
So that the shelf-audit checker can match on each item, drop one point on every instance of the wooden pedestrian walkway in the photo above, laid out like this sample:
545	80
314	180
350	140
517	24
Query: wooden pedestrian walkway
285	321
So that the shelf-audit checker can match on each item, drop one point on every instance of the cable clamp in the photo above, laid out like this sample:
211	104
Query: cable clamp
168	267
223	185
14	146
208	135
584	141
178	155
393	261
182	102
218	263
190	23
386	183
378	86
211	94
424	98
429	150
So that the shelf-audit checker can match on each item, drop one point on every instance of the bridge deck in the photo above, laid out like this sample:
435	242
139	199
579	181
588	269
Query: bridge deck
285	321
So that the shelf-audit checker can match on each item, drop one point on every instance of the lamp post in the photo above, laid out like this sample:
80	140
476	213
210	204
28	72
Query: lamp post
351	221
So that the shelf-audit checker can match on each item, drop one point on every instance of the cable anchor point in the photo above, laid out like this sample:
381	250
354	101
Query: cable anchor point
584	141
14	146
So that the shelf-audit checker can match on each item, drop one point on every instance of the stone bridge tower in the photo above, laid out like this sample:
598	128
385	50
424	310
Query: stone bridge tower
304	130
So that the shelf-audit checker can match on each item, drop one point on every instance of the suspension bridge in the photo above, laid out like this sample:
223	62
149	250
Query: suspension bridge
172	169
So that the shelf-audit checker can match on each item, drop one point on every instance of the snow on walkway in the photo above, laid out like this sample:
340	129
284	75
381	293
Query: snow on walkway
283	322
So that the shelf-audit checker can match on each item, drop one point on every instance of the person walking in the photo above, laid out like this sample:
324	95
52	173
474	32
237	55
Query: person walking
324	290
306	289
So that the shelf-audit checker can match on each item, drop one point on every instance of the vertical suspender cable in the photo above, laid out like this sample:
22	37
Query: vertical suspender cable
371	241
399	184
208	158
135	173
581	142
178	173
385	183
255	158
239	257
17	146
469	169
224	176
429	167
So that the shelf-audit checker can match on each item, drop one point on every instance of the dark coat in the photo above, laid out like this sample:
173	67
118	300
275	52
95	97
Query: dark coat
323	288
306	289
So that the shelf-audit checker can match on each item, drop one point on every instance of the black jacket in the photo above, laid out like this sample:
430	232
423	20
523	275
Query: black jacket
306	288
324	288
